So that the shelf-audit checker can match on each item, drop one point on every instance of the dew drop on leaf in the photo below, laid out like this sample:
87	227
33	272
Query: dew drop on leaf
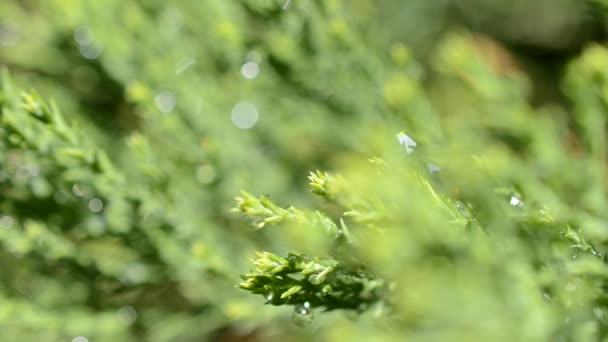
432	168
408	143
269	296
302	314
516	202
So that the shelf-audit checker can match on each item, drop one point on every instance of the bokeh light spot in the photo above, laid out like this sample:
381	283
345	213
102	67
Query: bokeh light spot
250	70
95	205
165	101
244	115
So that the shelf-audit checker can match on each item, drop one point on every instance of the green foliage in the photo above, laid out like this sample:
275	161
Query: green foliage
277	279
500	230
451	208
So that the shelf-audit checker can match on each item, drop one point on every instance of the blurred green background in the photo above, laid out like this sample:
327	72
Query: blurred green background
115	225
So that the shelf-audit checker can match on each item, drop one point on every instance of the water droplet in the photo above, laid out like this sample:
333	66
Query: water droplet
574	256
128	314
80	339
183	65
269	297
250	70
244	115
516	202
6	222
165	101
302	314
95	205
464	210
547	296
77	190
432	168
407	142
